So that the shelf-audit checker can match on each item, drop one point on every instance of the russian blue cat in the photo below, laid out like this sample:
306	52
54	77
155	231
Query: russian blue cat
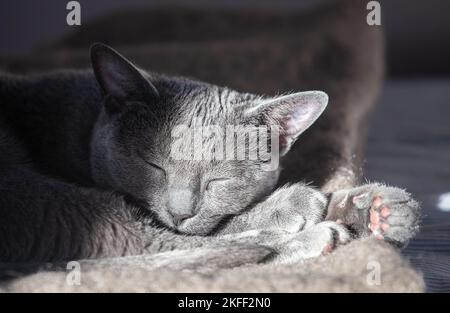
86	172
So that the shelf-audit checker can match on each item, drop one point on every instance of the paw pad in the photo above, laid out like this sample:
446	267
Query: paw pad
385	212
377	216
327	249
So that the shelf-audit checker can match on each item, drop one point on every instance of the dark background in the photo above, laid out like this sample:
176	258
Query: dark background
417	31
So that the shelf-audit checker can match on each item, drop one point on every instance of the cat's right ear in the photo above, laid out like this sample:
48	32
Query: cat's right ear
293	114
118	77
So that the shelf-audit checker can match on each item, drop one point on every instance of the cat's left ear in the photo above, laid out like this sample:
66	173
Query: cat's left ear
118	77
293	114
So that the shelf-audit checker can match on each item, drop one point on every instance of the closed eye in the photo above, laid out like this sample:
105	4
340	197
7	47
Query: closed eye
213	181
155	166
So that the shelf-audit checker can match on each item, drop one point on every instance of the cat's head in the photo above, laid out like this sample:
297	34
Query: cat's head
145	143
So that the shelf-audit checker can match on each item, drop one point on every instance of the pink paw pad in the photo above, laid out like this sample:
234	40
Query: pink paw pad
385	212
377	202
377	217
327	249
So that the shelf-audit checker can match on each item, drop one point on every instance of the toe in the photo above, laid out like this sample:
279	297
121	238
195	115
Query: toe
327	249
374	217
377	202
374	227
385	212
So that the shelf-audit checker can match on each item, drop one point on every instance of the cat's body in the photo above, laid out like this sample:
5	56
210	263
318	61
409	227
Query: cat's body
49	209
37	108
71	158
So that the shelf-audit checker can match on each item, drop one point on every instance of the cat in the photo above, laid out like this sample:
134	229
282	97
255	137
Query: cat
85	172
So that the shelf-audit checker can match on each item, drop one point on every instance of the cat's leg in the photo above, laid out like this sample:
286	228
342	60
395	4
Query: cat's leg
199	259
386	212
297	211
203	258
375	209
290	208
43	219
261	245
291	233
316	240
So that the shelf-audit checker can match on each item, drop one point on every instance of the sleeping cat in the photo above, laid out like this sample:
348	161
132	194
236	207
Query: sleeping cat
86	172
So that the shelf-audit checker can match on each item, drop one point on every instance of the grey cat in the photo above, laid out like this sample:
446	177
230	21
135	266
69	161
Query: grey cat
86	172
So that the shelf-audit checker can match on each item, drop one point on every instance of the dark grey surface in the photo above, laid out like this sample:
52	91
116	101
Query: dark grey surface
409	146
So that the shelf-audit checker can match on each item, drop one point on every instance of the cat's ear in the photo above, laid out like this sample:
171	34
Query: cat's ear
118	77
293	114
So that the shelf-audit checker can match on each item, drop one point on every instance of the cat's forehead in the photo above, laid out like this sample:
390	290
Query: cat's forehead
191	102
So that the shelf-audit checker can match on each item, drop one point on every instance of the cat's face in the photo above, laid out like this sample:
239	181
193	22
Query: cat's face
192	196
145	142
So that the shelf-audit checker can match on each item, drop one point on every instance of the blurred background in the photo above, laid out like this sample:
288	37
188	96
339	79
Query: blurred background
409	130
417	31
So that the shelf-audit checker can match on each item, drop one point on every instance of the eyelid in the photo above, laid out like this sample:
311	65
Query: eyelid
216	180
153	165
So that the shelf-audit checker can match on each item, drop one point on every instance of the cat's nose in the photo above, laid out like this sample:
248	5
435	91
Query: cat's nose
179	218
180	205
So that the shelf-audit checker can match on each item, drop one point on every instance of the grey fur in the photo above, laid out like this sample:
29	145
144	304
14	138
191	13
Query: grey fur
47	216
116	147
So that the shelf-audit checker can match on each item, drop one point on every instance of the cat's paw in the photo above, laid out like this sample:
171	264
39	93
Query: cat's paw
317	240
384	212
320	239
291	209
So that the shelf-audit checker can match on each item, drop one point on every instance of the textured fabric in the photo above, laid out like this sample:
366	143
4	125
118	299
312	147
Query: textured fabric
350	269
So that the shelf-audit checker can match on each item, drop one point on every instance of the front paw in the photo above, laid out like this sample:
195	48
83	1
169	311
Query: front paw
384	212
317	240
291	209
320	239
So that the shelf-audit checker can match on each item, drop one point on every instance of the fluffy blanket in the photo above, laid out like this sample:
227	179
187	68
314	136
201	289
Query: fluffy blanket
330	48
362	266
